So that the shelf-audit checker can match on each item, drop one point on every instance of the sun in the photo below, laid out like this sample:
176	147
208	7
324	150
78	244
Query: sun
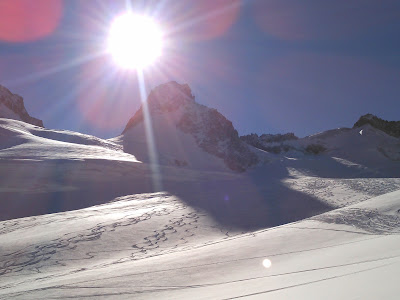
134	41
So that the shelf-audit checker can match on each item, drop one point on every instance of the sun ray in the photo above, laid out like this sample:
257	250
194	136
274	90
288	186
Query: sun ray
151	143
56	69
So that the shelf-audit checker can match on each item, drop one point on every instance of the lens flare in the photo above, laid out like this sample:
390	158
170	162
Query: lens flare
27	21
267	263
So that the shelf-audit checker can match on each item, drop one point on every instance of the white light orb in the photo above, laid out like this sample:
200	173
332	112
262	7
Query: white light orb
134	41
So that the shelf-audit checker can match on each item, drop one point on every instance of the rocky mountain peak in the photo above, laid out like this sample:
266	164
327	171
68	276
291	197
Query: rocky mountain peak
12	107
169	97
211	130
165	98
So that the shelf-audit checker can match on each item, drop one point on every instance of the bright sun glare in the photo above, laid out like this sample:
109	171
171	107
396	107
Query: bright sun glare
134	41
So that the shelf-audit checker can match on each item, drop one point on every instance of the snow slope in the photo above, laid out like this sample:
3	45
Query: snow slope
44	171
365	145
153	246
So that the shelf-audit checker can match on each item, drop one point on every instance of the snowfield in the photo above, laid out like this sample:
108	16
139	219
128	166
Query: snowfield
81	217
153	246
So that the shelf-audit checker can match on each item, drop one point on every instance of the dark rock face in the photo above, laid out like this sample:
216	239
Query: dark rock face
264	141
315	149
390	127
278	138
211	130
15	103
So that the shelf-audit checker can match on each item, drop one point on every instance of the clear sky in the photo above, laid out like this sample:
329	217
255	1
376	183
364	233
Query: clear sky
270	66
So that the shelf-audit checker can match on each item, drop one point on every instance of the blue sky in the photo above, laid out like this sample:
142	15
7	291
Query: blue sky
270	66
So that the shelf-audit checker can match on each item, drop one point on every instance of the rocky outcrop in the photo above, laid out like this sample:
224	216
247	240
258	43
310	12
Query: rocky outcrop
390	127
12	107
273	143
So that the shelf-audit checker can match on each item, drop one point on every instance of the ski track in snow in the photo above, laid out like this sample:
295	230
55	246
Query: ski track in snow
342	192
368	220
33	258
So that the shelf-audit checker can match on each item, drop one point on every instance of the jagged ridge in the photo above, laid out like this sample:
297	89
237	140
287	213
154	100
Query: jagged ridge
15	104
270	142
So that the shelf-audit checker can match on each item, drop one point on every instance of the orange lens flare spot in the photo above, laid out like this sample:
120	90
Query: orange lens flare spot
28	20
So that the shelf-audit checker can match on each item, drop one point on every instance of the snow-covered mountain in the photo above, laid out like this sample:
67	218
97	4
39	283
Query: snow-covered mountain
390	127
186	133
12	107
363	145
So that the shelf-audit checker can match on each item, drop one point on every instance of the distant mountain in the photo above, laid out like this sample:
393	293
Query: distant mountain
186	133
367	145
390	127
12	107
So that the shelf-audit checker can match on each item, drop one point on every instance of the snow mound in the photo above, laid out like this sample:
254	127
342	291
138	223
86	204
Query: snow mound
12	107
186	133
20	140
